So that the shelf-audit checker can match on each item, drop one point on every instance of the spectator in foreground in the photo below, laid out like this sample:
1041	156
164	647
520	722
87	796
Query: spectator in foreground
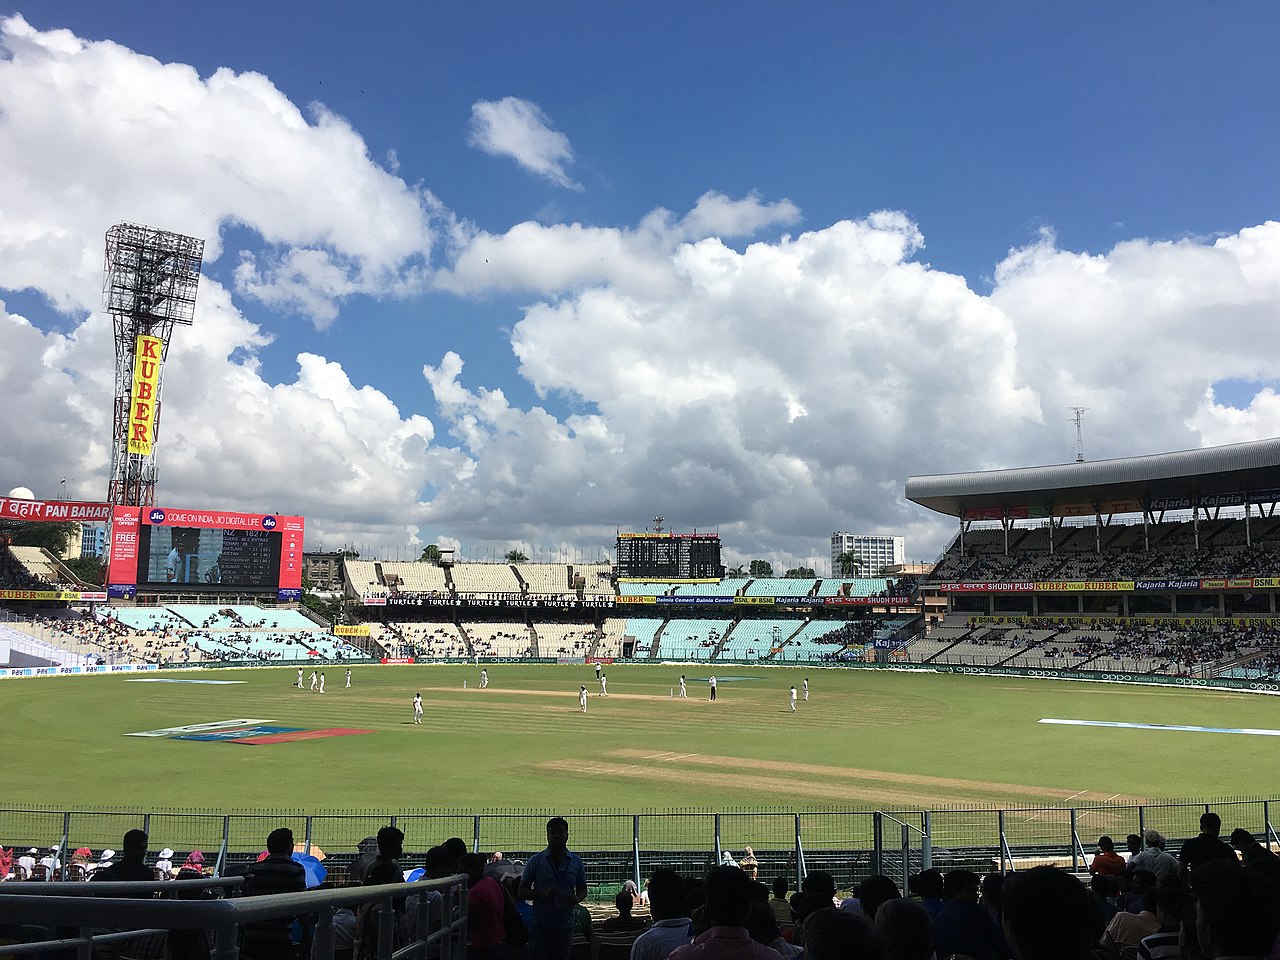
1237	913
278	873
1154	858
905	930
624	921
486	908
1205	848
778	902
875	891
1048	915
671	924
1164	943
962	926
929	886
1130	929
1255	855
131	864
728	901
556	882
1106	861
831	934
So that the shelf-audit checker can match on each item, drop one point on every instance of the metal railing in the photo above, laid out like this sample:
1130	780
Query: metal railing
110	913
622	845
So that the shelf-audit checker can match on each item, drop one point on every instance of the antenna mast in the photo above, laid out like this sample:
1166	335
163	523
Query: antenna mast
1079	420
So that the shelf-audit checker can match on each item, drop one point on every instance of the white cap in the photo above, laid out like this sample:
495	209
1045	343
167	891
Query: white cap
166	853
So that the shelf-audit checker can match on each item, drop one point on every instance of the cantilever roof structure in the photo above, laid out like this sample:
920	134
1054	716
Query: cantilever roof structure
1229	475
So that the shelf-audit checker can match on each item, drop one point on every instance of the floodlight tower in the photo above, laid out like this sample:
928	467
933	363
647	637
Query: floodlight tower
151	280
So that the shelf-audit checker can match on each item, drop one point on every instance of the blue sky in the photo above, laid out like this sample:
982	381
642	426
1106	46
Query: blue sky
1039	158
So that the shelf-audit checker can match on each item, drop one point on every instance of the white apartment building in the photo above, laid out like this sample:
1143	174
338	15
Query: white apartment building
877	552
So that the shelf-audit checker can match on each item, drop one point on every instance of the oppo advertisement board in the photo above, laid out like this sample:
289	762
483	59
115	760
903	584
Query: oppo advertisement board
156	548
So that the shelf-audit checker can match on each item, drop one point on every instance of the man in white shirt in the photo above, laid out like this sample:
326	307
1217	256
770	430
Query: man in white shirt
315	677
172	564
299	678
165	864
793	699
348	678
417	708
28	861
604	685
322	681
484	679
805	687
671	924
582	699
684	693
712	681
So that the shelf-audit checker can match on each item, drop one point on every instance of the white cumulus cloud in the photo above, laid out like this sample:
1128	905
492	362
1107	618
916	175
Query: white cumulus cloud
518	129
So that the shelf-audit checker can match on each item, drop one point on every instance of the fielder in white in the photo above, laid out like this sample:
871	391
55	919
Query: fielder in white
793	699
484	679
684	692
322	683
299	678
582	699
348	678
805	687
604	685
417	708
314	679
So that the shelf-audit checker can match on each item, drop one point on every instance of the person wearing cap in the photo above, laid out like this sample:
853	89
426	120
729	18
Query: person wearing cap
165	864
1154	858
52	861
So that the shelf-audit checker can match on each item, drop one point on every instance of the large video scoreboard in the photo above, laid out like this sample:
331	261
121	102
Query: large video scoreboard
213	551
669	556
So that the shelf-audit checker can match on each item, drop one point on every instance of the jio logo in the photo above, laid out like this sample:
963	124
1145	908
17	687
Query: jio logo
156	516
269	523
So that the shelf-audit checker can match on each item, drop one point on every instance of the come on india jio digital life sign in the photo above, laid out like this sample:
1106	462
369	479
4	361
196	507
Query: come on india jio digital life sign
154	548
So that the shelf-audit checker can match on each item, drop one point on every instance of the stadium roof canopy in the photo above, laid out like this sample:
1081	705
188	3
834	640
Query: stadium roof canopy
1229	475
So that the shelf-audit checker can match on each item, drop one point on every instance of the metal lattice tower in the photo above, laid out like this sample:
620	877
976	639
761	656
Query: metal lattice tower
150	285
1079	421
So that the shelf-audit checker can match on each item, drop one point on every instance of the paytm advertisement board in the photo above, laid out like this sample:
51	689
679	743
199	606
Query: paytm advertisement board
157	548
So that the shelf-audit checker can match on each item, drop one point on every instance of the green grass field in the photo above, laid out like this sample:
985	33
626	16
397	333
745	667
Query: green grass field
865	740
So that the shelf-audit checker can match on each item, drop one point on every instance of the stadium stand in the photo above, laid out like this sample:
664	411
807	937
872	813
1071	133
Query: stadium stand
484	578
414	577
728	587
779	587
597	578
401	639
609	643
645	631
362	577
564	640
554	579
755	639
693	639
644	589
503	639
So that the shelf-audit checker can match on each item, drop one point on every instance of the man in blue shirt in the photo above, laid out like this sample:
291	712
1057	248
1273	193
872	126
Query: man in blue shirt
556	882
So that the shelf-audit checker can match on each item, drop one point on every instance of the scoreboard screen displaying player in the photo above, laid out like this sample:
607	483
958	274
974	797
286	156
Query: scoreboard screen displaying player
669	556
157	549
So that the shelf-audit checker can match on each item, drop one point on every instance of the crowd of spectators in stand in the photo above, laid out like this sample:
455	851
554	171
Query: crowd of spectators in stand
1207	562
854	634
14	574
1211	902
1168	646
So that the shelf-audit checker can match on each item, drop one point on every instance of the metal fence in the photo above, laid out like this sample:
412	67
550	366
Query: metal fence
619	845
